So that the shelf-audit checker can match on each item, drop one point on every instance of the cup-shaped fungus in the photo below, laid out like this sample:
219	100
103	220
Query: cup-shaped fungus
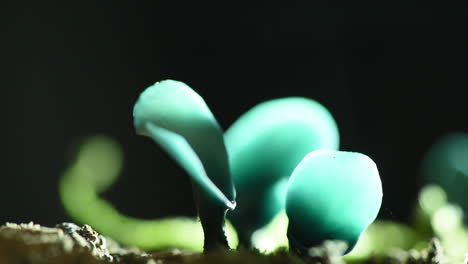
178	119
332	195
265	145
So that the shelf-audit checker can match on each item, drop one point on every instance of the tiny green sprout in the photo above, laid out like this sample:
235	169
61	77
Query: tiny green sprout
332	195
178	119
265	145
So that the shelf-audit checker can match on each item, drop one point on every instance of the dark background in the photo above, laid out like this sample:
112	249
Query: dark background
392	74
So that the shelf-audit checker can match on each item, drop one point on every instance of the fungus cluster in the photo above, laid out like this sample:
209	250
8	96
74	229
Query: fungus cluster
281	155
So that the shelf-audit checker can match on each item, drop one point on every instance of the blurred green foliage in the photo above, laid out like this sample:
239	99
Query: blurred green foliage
95	168
99	161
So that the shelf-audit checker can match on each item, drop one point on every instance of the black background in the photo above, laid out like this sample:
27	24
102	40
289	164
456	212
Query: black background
392	74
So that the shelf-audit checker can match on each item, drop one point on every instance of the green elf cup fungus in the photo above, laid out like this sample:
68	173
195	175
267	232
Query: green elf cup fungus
446	164
265	145
178	119
332	195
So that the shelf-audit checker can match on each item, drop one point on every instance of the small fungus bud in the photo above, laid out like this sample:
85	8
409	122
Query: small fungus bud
332	195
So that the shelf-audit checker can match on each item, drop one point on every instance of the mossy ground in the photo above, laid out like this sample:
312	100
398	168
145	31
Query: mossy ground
71	244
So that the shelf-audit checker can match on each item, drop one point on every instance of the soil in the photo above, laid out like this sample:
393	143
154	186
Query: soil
72	244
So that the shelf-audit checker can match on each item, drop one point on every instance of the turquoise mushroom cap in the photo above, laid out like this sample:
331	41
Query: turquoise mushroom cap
265	145
178	119
331	195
